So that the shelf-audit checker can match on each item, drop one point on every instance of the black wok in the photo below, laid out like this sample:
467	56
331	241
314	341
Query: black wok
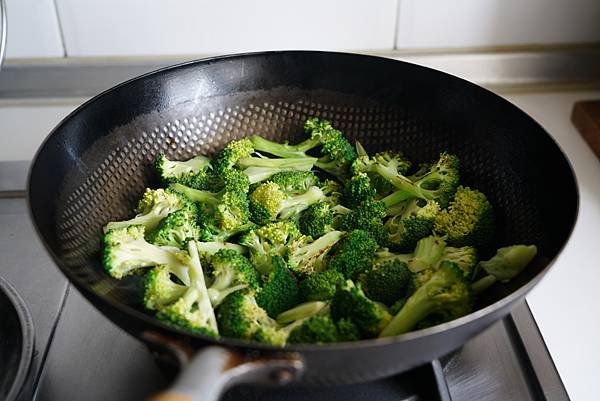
93	167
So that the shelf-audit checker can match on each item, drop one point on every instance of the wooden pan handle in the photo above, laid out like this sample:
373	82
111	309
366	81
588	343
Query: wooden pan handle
171	397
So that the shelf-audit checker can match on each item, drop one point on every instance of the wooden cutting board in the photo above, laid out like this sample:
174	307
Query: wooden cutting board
586	118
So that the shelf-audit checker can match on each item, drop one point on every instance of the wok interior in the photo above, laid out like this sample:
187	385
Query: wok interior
96	164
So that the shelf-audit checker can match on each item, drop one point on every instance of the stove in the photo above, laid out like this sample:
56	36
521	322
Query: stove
80	355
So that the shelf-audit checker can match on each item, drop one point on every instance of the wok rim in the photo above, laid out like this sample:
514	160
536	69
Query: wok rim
151	321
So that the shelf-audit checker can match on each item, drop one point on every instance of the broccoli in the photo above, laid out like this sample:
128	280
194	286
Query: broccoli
387	282
193	311
321	329
231	154
438	184
301	312
268	202
384	255
160	289
192	172
306	257
262	168
368	217
175	229
126	250
357	190
280	289
414	222
504	265
155	205
239	316
321	286
468	220
445	292
420	172
316	220
295	182
209	248
465	257
354	254
267	241
232	272
393	163
427	254
350	302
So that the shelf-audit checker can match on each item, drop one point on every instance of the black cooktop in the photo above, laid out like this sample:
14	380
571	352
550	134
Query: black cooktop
80	355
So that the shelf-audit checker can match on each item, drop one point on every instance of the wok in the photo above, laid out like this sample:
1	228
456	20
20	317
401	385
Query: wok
95	164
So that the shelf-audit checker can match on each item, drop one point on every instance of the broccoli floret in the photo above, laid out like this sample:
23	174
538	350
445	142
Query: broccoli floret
268	202
445	292
230	154
160	289
350	302
321	286
155	205
357	190
368	217
505	265
209	248
239	316
438	184
392	162
261	168
192	172
465	258
281	149
387	282
306	257
384	255
414	222
316	220
193	311
315	330
427	254
301	312
468	220
232	272
280	289
126	251
267	241
176	228
354	254
295	182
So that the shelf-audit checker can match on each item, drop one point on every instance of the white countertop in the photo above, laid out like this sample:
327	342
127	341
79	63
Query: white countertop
566	303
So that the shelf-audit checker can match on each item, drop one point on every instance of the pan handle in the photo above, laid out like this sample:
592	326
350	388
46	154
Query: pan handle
3	31
214	369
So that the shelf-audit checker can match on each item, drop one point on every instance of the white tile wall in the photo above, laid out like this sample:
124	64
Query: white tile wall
149	27
33	29
472	23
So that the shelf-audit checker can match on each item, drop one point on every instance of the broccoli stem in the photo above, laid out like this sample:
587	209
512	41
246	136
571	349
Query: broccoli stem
283	149
405	187
483	284
295	204
218	295
428	252
197	279
416	308
297	163
195	194
301	311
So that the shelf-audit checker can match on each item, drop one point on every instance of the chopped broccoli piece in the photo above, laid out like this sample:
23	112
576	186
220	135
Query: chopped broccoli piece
155	205
468	220
368	217
321	286
465	257
192	172
507	263
262	168
209	248
354	254
316	220
306	257
301	312
387	282
268	202
126	250
350	302
427	254
446	292
414	222
176	229
193	311
232	272
357	190
315	330
160	289
280	290
230	154
383	255
267	241
295	182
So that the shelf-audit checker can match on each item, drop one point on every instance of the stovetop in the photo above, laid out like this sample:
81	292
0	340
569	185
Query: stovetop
80	355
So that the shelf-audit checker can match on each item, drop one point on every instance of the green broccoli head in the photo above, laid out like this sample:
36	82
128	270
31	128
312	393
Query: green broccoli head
295	182
427	254
368	217
465	258
414	222
468	220
387	282
268	202
321	286
192	172
280	289
316	220
232	272
155	205
337	153
176	229
230	154
350	302
392	162
446	292
315	330
307	257
161	289
357	190
354	254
